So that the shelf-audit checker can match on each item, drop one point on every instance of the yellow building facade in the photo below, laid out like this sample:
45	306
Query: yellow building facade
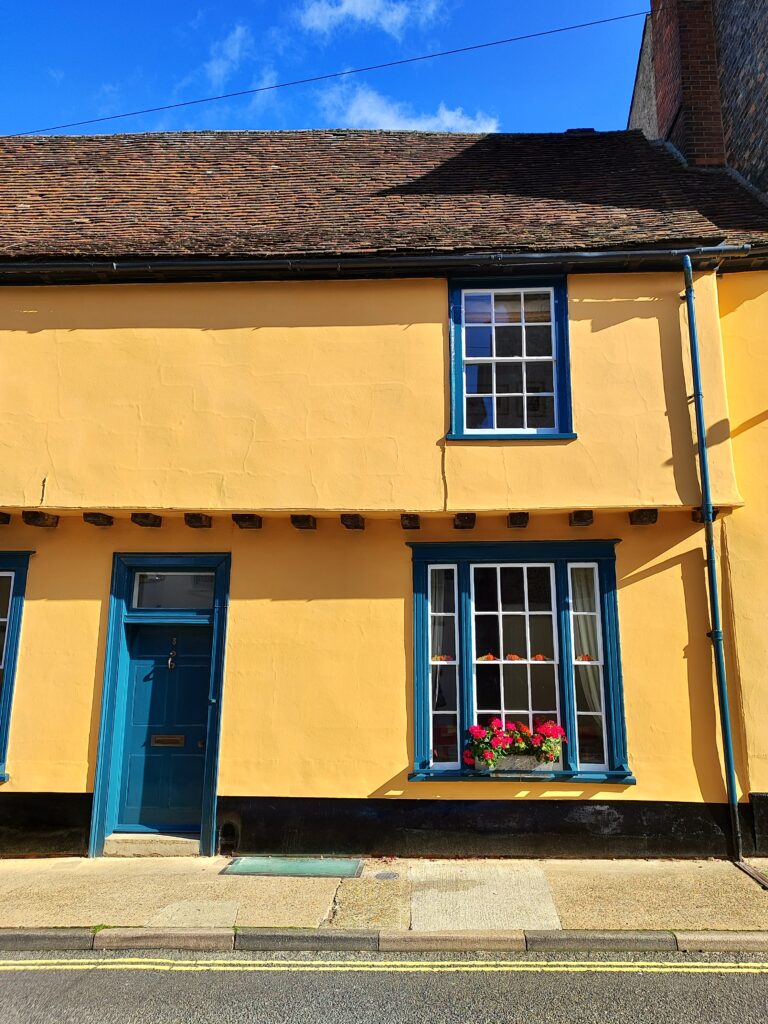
139	419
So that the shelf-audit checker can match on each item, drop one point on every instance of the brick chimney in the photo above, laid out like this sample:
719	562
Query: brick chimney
685	67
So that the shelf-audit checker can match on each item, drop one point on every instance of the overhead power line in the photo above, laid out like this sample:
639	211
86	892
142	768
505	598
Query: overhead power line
335	74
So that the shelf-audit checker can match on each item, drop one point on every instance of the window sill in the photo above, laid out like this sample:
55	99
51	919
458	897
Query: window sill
624	778
512	436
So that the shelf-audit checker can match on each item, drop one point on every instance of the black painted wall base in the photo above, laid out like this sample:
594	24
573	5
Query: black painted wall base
58	824
44	824
475	828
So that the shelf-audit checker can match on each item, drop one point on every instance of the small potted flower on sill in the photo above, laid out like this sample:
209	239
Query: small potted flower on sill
515	748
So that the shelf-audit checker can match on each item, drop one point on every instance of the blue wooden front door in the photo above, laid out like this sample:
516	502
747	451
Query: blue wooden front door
169	673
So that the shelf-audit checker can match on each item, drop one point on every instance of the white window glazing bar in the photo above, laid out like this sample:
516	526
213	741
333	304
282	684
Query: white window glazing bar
440	663
596	659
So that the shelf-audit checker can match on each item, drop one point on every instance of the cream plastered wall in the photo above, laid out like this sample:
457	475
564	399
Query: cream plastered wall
744	311
334	396
318	677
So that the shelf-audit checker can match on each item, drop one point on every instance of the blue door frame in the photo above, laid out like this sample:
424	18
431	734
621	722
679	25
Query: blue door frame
116	664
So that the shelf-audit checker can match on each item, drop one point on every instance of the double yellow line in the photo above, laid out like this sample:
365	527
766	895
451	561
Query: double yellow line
392	966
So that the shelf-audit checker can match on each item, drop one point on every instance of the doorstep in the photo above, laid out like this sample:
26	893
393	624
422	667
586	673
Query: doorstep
151	844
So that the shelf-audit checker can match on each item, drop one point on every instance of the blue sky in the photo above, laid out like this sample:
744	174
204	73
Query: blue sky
70	61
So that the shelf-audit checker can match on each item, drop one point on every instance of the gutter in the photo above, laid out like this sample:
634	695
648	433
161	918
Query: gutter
716	633
74	270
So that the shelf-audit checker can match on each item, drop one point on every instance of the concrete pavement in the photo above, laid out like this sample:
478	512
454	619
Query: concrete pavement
393	895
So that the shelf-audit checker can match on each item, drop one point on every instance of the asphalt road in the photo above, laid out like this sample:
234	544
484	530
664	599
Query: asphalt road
231	988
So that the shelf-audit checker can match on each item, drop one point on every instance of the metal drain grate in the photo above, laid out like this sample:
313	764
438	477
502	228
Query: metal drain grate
296	867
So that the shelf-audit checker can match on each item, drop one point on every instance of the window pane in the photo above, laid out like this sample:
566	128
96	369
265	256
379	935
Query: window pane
538	341
443	638
588	689
3	629
486	592
479	413
583	588
443	687
509	378
537	307
543	694
538	377
512	589
486	635
590	731
541	412
5	595
509	413
488	687
477	309
541	636
507	309
585	641
478	341
515	687
445	738
509	342
441	594
539	588
173	590
515	645
479	378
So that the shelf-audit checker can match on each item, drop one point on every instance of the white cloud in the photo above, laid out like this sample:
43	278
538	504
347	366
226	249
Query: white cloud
265	80
363	107
389	15
227	55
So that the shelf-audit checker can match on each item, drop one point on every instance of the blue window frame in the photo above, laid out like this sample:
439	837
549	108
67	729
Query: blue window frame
510	374
13	581
521	631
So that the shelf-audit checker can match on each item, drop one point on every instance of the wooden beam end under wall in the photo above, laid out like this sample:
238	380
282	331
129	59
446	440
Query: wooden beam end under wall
98	519
464	521
247	520
197	520
5	518
410	521
644	517
581	517
45	519
352	521
147	519
304	522
518	520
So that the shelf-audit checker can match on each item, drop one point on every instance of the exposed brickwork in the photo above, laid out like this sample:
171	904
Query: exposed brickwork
687	82
357	192
642	112
741	31
666	65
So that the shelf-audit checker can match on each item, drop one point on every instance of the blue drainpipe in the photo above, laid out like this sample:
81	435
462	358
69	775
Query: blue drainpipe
708	512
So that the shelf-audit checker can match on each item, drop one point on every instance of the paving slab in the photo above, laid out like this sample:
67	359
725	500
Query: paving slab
205	939
722	942
456	941
37	939
305	939
688	895
380	898
196	914
596	940
480	895
77	892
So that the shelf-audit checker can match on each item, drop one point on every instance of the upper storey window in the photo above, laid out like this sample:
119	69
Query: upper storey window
510	374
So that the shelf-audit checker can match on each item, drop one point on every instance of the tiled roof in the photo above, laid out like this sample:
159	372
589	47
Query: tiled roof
274	194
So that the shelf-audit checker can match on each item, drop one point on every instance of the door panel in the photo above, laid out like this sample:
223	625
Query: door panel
161	785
